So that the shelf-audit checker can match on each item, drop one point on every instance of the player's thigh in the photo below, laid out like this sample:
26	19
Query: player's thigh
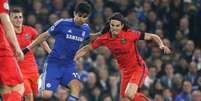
46	93
139	75
131	90
70	74
27	86
51	77
10	73
124	82
74	84
34	83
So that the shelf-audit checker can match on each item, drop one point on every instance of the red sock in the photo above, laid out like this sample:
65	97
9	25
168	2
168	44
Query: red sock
140	97
15	96
5	96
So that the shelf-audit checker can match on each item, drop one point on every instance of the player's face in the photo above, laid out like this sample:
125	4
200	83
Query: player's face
17	19
80	18
116	26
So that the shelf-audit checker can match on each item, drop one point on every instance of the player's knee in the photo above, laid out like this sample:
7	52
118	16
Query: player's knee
29	97
75	85
5	89
129	94
46	94
19	88
131	90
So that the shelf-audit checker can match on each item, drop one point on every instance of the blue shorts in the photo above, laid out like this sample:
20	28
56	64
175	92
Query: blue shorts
57	74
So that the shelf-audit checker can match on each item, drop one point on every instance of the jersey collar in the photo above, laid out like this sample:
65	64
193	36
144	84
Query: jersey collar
118	36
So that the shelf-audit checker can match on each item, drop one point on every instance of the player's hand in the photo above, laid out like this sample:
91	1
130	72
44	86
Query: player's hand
78	61
165	49
19	54
77	57
25	50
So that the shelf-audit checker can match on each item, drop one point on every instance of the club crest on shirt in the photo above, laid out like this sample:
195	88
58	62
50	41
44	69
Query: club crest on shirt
123	40
27	36
48	85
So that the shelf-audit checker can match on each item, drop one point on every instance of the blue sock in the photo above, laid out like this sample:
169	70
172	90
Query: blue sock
72	98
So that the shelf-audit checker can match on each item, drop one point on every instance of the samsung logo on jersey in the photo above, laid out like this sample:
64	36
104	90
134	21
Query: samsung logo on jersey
72	37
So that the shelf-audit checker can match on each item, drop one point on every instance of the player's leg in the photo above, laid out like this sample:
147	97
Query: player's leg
124	82
34	84
131	90
50	80
18	91
140	97
71	79
28	95
5	91
137	79
75	90
12	93
11	78
31	86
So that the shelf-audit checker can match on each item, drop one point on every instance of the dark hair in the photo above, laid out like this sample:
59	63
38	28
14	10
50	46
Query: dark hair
83	8
116	16
16	9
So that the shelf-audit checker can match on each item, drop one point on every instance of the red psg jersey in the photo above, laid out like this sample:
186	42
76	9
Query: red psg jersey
5	49
123	47
25	38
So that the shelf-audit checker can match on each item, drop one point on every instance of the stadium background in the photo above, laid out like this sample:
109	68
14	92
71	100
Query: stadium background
177	22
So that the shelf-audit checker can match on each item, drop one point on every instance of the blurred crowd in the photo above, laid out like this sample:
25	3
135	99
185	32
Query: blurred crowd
171	77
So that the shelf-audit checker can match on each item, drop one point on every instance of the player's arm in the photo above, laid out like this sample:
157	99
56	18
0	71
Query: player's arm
42	37
82	52
91	38
10	33
45	45
157	39
94	43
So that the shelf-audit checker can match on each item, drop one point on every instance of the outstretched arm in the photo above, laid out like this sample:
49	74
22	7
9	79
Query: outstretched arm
88	46
92	37
82	52
157	39
45	45
42	37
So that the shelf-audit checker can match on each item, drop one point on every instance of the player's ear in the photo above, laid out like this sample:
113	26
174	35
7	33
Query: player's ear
74	13
122	26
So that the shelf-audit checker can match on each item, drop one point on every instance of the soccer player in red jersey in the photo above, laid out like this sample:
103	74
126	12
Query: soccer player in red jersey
25	35
119	39
11	81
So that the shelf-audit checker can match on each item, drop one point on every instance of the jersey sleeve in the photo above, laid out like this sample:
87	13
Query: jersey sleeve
98	42
135	35
34	33
87	36
4	7
54	29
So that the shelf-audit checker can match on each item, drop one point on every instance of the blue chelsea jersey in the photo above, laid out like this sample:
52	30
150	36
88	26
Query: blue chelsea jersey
68	38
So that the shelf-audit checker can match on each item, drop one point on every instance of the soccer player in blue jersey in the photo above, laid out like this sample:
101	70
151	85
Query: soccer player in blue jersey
60	68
